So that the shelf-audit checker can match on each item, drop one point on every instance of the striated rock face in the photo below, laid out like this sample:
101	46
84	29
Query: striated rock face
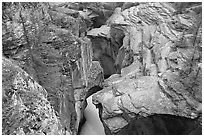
52	48
150	53
54	73
25	108
158	89
55	63
95	78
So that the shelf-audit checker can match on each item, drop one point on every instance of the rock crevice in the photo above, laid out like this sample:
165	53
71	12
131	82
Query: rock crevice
142	62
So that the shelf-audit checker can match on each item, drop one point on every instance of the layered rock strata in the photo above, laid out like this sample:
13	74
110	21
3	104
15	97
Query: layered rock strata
156	87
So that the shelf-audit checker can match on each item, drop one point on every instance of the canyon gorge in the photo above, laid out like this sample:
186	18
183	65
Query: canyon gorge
101	68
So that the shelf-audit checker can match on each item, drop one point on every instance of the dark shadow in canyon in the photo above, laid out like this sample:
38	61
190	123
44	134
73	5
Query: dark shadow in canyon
158	124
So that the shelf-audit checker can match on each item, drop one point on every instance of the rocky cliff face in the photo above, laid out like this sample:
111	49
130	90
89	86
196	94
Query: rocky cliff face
149	54
155	90
54	51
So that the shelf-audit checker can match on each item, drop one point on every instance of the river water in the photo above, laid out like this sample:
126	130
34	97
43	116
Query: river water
93	125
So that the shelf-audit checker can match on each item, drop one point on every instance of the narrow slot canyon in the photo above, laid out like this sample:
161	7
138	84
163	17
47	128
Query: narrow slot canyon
93	124
102	68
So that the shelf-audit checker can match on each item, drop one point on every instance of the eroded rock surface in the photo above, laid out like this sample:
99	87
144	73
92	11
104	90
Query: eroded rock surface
128	97
52	48
150	53
154	89
26	109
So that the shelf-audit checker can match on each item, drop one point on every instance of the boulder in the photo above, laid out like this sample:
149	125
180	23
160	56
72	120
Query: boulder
26	109
127	98
103	31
